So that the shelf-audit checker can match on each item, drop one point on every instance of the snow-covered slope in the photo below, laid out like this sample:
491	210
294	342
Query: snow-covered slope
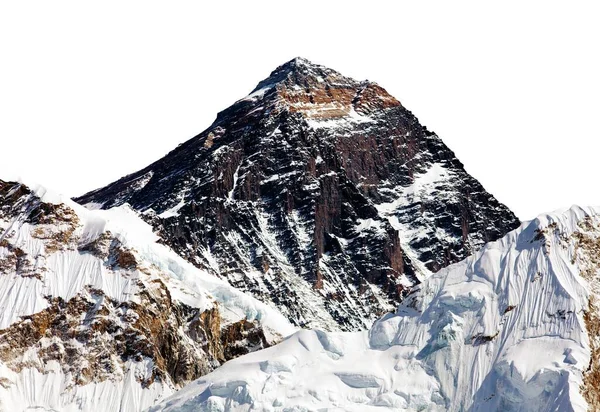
512	328
96	315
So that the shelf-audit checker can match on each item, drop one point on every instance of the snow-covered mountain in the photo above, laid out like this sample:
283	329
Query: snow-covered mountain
316	201
96	315
316	193
515	327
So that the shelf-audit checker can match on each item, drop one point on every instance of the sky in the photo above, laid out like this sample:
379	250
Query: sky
92	91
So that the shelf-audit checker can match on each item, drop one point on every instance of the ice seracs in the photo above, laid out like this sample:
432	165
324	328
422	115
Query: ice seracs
506	329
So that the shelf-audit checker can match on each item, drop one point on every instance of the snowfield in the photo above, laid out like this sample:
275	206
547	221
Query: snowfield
502	330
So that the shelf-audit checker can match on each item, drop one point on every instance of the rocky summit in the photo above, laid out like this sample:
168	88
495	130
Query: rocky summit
318	194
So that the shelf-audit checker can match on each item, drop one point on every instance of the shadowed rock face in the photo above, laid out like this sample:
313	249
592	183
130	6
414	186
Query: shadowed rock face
318	193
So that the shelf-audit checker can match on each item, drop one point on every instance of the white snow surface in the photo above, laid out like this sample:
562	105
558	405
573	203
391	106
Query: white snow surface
501	330
69	272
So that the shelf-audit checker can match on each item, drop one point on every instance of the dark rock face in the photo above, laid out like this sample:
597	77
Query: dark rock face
318	193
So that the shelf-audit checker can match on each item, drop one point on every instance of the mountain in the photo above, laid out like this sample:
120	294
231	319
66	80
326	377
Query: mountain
96	315
318	194
512	328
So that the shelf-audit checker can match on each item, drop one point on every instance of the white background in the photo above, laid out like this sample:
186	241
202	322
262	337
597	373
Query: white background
91	91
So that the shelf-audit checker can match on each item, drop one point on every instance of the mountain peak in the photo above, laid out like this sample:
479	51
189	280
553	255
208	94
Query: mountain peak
301	66
298	193
301	72
300	62
319	92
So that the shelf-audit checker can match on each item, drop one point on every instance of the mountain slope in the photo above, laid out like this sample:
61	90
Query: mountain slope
512	328
317	193
94	315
